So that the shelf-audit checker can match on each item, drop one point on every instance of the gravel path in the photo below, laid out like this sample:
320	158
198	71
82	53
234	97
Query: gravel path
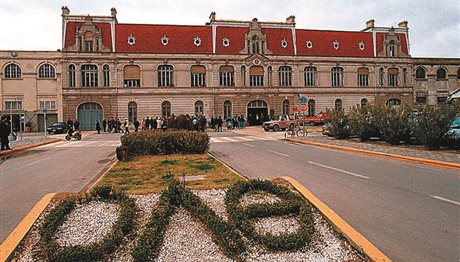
186	239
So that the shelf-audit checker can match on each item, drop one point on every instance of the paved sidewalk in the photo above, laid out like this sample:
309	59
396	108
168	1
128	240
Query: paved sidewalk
451	156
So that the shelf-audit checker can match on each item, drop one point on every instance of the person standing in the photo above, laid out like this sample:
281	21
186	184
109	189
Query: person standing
4	132
69	123
136	125
104	124
126	125
98	127
76	124
204	122
220	122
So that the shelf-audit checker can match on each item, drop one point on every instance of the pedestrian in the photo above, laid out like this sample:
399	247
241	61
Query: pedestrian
4	132
104	124
219	124
143	124
136	125
98	127
76	124
147	124
69	123
204	122
126	125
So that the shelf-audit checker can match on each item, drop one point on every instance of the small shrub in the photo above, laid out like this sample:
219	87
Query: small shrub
363	122
170	142
338	122
393	123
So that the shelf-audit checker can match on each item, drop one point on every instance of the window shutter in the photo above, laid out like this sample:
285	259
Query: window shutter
393	71
132	72
88	36
198	69
363	71
226	69
256	71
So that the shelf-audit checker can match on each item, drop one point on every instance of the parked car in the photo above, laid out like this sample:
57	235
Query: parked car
326	130
318	119
57	128
279	122
453	133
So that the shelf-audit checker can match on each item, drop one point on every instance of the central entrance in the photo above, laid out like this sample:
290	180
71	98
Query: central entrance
88	113
257	112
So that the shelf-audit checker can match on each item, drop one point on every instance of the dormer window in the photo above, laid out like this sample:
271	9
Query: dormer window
336	44
131	40
89	42
284	43
392	49
255	45
197	41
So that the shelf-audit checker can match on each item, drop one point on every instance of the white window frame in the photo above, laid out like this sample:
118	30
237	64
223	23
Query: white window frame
72	76
13	105
47	104
310	76
226	78
12	71
165	75
89	75
46	71
337	76
285	75
106	73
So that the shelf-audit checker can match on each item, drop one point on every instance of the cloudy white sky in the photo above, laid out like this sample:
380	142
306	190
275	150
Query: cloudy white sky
434	25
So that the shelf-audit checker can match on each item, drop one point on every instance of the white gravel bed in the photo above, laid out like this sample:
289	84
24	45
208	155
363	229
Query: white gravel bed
257	198
187	240
214	199
277	225
88	223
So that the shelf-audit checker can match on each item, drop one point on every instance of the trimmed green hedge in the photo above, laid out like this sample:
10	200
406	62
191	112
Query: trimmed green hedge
291	204
223	234
95	251
169	142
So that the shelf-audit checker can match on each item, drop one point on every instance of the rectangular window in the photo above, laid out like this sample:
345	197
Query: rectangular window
132	83
165	75
285	76
257	80
47	104
310	76
89	46
392	79
198	79
363	80
13	105
226	79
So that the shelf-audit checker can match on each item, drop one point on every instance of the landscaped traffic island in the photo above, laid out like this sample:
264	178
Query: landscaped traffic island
182	208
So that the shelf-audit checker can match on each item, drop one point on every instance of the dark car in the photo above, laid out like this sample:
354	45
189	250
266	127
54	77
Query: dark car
57	128
453	133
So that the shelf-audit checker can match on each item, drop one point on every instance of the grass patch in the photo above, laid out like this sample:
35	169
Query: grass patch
146	174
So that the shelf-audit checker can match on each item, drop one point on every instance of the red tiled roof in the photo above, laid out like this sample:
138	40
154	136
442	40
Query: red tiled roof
274	38
323	43
236	37
148	38
72	28
402	39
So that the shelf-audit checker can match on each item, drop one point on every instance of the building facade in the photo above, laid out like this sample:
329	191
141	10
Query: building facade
227	68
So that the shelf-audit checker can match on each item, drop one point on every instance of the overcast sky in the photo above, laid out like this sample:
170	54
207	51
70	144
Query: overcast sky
434	25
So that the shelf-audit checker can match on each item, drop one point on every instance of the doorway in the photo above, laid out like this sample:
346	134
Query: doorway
257	112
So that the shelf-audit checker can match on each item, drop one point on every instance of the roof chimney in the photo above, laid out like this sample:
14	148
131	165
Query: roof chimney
370	24
113	12
290	19
65	10
403	24
212	16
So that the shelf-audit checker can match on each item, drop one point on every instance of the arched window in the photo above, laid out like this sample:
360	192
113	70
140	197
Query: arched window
243	76
132	111
227	109
255	45
46	71
381	77
89	75
198	75
132	76
270	76
12	71
441	74
394	102
404	77
338	104
363	76
199	111
165	75
392	48
364	102
106	71
256	74
337	76
286	106
311	107
393	75
166	109
226	75
420	73
72	76
310	76
285	75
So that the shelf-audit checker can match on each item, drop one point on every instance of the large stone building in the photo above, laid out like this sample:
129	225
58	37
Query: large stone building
224	68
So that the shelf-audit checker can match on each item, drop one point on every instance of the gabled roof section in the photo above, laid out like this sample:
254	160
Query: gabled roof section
235	35
73	27
322	43
148	38
402	38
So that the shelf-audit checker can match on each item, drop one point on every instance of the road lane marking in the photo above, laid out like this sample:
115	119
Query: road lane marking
446	200
246	144
339	170
278	153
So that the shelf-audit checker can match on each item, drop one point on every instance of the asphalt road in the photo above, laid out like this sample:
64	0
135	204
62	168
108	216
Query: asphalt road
66	166
409	211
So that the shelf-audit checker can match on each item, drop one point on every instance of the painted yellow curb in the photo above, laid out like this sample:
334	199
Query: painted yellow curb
12	241
423	161
356	239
